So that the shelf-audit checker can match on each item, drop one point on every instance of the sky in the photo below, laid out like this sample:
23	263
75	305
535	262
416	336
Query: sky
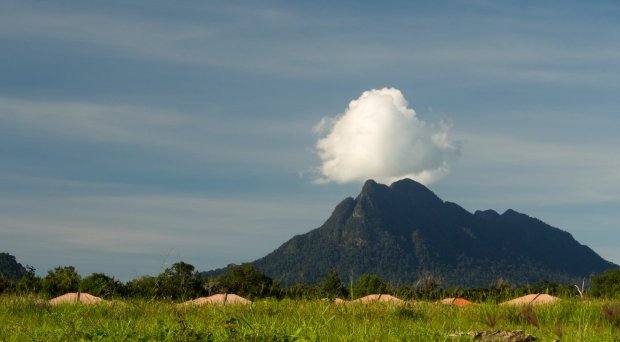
135	134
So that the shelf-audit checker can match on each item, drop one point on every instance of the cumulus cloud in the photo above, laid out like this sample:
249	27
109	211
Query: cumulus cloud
380	137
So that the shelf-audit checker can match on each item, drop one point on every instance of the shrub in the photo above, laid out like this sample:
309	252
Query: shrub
607	284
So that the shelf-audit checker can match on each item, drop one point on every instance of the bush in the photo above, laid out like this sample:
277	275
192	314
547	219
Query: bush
246	281
370	284
101	285
5	284
145	287
332	287
29	283
607	284
179	281
60	281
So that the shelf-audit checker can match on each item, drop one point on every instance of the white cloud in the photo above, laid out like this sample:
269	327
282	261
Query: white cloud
380	137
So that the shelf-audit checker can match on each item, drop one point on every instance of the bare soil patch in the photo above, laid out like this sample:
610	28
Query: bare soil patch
76	297
219	299
385	298
532	299
456	301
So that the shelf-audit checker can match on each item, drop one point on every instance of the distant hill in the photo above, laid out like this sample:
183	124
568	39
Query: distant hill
10	268
405	231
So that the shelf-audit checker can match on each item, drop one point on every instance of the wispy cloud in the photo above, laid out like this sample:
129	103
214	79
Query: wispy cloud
205	136
484	42
222	36
89	121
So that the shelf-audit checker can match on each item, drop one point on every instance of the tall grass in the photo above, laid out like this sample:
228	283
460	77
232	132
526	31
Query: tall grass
29	319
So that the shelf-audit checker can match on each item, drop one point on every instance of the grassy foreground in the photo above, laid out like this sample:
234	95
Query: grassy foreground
23	319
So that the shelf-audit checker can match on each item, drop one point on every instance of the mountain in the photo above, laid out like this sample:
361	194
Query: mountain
405	231
10	268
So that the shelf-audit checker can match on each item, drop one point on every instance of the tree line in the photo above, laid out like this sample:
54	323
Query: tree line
181	281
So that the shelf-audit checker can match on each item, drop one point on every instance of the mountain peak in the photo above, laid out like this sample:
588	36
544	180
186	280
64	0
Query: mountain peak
401	198
405	182
414	189
489	214
404	187
369	186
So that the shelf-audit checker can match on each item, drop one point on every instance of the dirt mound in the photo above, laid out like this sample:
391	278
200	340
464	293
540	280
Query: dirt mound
384	298
219	299
76	297
532	299
456	301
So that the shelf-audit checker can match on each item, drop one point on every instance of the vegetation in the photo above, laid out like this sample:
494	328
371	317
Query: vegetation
369	284
101	285
332	287
607	284
298	320
180	282
246	281
60	281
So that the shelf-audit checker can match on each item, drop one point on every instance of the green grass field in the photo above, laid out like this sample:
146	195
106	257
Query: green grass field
23	319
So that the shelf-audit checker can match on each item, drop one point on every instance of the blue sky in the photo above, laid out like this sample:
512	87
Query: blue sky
134	134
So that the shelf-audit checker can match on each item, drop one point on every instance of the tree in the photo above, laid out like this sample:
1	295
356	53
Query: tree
332	287
246	281
60	281
144	287
101	285
301	291
179	281
607	284
501	289
370	284
5	284
211	285
29	283
428	282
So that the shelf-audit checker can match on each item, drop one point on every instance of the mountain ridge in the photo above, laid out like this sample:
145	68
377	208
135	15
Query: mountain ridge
404	231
